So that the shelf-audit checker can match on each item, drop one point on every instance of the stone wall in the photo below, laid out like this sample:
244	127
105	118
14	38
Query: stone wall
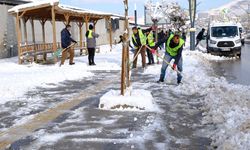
8	40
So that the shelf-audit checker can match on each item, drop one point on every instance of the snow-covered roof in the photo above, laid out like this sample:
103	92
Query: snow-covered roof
45	3
42	9
81	10
33	4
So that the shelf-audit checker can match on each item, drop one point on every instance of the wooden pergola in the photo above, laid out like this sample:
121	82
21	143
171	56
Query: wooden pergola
52	11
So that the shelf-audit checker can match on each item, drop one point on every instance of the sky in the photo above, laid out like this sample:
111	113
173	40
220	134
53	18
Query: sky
117	7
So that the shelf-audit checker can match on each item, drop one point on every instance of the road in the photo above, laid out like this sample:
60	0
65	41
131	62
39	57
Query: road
235	71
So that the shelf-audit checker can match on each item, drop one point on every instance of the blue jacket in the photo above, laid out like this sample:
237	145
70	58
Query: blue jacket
66	38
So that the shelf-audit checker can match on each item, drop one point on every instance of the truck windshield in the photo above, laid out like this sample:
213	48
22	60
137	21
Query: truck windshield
225	31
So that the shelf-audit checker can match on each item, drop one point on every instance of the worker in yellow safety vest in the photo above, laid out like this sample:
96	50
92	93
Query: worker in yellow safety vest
151	43
174	46
91	44
139	41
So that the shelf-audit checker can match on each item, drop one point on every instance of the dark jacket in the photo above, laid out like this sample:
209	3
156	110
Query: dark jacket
161	35
137	41
66	38
200	35
172	45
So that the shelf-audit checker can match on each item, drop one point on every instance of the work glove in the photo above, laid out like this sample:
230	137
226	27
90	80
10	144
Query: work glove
74	42
174	67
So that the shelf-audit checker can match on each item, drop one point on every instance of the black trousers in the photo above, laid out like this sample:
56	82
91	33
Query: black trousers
150	57
91	57
197	42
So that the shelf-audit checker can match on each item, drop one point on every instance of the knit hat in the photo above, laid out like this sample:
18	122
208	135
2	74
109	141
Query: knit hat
91	27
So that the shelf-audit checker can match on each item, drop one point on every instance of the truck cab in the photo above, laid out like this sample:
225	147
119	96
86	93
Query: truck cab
224	39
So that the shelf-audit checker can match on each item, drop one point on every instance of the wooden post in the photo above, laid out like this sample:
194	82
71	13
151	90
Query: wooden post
53	16
25	30
110	33
80	24
33	31
86	20
33	37
43	21
18	38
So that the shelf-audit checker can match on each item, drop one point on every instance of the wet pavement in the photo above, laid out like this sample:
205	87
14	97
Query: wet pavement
236	70
177	125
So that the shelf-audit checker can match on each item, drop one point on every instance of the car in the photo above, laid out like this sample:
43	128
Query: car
223	38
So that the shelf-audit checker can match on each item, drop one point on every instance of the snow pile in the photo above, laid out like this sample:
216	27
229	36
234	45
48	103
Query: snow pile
228	107
225	105
137	100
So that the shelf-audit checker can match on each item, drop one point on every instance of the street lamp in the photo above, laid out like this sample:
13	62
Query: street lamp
135	14
192	13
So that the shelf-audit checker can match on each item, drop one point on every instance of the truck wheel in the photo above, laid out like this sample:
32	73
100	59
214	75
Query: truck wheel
239	55
208	51
243	43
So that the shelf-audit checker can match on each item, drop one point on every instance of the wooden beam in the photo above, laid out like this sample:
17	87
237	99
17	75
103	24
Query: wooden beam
22	14
18	38
53	16
66	16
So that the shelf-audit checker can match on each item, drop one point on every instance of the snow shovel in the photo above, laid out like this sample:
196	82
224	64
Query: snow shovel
60	51
157	54
130	63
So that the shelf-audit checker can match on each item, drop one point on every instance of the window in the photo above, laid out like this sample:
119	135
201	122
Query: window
225	31
115	24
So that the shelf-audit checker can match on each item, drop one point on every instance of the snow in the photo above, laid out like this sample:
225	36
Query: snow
52	2
33	4
133	100
226	105
82	10
16	79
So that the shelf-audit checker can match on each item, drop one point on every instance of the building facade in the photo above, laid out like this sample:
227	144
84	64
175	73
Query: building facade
8	40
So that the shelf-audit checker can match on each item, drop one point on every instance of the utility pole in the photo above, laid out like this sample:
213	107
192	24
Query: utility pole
248	18
135	16
192	13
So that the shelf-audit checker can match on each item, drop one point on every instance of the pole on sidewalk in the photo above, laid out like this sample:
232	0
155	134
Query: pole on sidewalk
192	13
135	16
